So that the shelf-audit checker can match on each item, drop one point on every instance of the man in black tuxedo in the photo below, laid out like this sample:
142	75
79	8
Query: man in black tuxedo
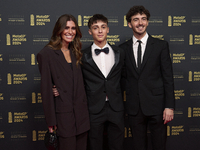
149	82
102	67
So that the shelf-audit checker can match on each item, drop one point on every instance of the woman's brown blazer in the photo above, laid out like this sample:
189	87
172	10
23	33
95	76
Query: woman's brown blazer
68	111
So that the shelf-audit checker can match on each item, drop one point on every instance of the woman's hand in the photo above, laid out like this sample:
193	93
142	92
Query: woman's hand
55	91
51	128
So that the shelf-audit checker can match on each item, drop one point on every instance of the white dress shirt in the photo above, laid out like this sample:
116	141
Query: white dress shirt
143	46
104	61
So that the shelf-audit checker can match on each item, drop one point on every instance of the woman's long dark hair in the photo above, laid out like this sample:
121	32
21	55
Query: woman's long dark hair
56	40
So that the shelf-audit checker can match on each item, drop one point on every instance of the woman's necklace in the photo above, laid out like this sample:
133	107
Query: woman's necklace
64	49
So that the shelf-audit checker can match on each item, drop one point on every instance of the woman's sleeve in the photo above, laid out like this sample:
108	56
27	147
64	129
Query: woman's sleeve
46	89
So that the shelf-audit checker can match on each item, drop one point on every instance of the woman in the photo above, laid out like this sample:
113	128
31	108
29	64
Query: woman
59	64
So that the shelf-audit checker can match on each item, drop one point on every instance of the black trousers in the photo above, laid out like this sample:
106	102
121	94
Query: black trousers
158	131
114	127
78	142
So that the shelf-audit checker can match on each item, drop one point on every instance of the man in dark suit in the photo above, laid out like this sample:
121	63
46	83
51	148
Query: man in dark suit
102	65
149	82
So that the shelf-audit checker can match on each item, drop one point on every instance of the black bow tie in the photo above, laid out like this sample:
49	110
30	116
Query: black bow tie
98	51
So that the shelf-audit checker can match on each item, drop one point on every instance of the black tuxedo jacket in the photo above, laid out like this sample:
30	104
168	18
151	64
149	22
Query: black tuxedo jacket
153	87
98	87
69	110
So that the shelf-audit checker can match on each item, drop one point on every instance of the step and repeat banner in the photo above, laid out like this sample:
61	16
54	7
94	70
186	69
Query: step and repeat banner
26	27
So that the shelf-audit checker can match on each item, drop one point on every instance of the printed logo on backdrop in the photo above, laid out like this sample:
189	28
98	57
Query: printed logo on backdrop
80	21
36	78
16	78
168	131
40	40
83	20
36	98
194	129
195	21
33	59
1	97
39	117
1	57
18	98
39	20
177	39
195	57
0	79
113	20
194	76
125	21
179	94
193	112
17	117
1	117
195	94
161	37
178	76
178	58
177	130
176	21
2	136
156	21
86	40
194	39
38	135
16	20
113	39
15	39
178	113
18	136
17	59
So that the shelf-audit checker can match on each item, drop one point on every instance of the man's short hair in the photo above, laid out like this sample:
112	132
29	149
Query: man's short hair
95	18
135	10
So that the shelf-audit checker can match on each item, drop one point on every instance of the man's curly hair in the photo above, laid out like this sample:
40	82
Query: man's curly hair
135	10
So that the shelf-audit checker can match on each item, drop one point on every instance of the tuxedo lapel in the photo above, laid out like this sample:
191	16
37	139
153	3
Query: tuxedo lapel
131	54
88	58
116	57
148	50
61	59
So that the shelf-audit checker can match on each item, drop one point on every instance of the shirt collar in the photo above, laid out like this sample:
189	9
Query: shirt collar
144	39
94	46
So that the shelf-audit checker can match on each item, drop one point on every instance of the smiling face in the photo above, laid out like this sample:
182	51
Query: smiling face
139	25
69	33
99	31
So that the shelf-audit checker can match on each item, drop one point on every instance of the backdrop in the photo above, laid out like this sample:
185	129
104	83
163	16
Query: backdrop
26	27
